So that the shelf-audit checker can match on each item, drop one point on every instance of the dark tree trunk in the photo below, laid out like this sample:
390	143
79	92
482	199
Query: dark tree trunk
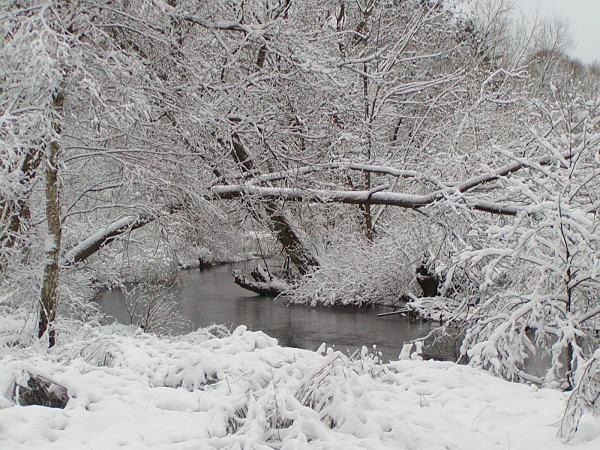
428	281
291	238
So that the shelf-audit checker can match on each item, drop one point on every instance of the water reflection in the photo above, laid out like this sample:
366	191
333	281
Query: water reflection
210	296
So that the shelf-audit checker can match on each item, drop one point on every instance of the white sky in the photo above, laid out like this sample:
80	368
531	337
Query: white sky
584	21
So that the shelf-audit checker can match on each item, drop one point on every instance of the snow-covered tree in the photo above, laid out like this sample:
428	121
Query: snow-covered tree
537	273
76	108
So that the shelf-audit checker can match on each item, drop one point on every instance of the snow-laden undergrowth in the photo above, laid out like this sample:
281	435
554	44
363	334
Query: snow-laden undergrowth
357	274
213	389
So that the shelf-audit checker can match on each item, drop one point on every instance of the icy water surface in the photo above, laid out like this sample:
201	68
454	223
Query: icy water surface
210	296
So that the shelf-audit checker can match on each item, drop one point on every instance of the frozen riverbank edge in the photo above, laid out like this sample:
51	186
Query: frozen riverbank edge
211	389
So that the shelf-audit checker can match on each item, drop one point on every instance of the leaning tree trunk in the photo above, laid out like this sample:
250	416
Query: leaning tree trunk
279	219
49	294
291	237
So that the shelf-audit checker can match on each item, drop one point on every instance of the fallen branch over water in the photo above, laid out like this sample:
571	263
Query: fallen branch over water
400	311
263	282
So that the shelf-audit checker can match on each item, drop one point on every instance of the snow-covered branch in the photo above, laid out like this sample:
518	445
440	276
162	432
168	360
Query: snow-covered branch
105	236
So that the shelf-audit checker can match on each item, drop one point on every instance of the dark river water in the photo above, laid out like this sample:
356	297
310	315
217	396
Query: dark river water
210	297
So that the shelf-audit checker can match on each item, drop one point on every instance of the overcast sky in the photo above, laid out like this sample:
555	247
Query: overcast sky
584	21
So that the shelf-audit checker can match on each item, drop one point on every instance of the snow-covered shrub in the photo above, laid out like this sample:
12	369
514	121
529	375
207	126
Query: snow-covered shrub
359	273
17	323
153	306
19	303
308	399
324	392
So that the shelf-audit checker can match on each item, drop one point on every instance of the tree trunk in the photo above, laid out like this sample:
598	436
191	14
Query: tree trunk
49	294
369	229
366	209
291	237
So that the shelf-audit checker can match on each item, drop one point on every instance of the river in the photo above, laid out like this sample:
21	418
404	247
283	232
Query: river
210	297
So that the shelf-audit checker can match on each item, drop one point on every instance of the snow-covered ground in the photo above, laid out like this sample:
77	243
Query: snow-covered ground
210	389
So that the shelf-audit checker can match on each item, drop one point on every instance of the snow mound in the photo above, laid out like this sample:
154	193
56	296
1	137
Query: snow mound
214	389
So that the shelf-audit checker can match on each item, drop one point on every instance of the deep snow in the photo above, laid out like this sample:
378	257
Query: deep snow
210	389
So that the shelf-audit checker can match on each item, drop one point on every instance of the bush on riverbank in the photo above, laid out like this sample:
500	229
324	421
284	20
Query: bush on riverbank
355	274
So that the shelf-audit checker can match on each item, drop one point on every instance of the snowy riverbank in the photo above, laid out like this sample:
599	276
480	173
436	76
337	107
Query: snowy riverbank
209	389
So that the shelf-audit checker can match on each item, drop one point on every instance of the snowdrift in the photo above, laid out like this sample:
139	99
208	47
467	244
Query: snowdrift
214	389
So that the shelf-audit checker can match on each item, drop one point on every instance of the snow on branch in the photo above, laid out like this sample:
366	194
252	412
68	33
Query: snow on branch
375	196
256	29
364	197
105	236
